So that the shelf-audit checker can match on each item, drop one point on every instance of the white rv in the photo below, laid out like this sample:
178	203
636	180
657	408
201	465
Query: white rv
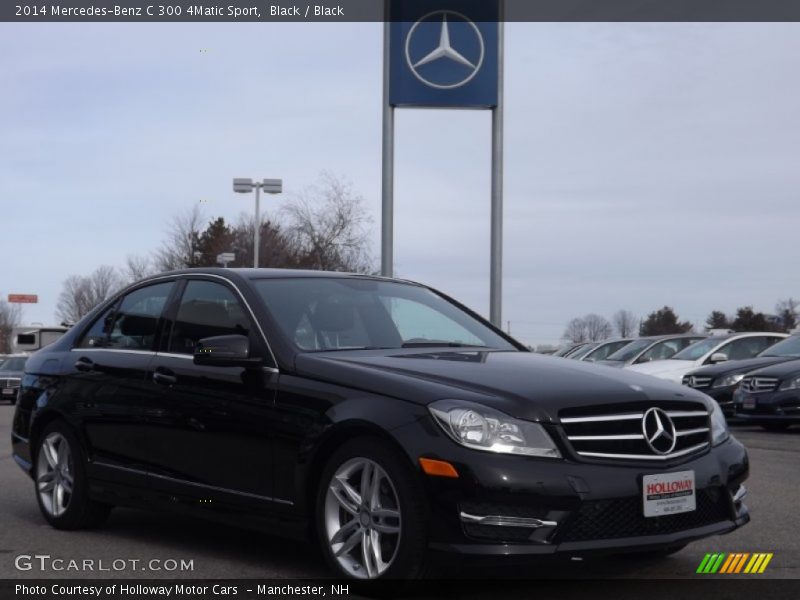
32	338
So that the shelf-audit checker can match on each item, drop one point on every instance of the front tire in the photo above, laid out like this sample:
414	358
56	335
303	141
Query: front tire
62	487
371	516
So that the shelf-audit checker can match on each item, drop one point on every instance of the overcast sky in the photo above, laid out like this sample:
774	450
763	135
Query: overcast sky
646	164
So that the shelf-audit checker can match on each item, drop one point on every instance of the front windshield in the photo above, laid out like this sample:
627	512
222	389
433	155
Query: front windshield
629	351
15	363
347	313
698	350
582	351
788	347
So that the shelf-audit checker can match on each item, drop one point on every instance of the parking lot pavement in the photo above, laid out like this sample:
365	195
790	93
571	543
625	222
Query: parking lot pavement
222	552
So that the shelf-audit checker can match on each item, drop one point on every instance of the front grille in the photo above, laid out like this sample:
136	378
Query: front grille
624	517
758	385
698	382
9	383
617	432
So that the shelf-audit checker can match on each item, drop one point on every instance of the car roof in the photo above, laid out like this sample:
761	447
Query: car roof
251	273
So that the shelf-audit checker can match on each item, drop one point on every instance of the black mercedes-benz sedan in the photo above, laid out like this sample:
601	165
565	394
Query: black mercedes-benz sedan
770	397
378	416
721	380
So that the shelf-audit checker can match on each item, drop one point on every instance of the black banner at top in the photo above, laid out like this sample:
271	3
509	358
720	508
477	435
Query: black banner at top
151	11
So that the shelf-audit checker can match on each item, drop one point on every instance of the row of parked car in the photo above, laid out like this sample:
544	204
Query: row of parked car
753	376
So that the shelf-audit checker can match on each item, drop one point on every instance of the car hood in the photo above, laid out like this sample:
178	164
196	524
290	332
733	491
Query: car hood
659	368
521	384
733	367
784	369
11	374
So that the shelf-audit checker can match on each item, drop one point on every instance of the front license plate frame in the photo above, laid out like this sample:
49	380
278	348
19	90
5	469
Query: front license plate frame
669	493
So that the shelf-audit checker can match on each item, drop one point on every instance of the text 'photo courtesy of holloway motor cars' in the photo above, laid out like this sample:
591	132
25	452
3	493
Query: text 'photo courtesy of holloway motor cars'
378	417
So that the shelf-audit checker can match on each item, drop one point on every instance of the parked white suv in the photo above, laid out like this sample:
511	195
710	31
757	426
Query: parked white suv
709	351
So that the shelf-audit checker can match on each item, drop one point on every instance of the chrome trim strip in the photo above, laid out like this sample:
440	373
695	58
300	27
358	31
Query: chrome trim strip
17	436
176	355
686	413
599	438
117	350
503	521
646	456
692	431
185	482
620	417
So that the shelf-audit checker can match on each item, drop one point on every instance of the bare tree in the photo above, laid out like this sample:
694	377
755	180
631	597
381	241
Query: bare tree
597	328
10	316
80	294
576	331
328	225
183	236
137	267
788	312
625	322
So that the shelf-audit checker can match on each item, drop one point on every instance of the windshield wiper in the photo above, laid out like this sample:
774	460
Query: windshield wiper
435	344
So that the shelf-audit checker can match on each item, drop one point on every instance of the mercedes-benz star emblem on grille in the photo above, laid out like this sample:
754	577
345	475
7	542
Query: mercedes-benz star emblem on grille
659	431
463	53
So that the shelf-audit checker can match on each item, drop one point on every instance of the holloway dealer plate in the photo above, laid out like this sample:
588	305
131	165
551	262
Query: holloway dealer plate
668	493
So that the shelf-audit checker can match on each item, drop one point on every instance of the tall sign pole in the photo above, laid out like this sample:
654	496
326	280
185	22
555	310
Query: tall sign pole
387	198
496	260
445	54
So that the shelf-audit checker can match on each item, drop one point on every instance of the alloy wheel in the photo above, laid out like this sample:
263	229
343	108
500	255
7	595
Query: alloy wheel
55	474
362	518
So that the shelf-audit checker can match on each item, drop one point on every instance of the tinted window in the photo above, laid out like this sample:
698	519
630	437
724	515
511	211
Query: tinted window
136	321
788	347
347	313
97	335
699	349
15	363
207	309
604	350
746	347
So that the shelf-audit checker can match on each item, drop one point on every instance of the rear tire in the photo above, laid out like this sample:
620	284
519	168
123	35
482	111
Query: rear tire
371	514
62	487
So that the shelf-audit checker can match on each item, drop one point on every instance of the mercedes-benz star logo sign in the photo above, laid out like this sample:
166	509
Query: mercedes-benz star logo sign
444	50
659	431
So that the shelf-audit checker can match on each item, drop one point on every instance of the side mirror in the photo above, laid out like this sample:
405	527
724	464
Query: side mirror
225	351
718	357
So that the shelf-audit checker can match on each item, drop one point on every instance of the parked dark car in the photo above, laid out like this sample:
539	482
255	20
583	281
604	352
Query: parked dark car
11	371
721	380
648	349
770	397
380	416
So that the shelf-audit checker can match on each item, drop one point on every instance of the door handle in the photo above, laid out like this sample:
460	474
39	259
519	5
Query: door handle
164	376
85	365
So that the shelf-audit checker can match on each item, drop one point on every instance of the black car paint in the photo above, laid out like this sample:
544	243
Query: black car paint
775	407
724	394
247	446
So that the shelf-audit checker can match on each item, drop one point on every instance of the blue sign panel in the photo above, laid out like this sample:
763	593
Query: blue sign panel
444	53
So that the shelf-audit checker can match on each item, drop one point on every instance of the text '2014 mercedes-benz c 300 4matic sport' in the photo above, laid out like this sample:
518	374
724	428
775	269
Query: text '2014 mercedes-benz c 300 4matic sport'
378	416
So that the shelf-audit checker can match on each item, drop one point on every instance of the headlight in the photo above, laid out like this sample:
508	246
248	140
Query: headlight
482	428
719	427
728	380
792	383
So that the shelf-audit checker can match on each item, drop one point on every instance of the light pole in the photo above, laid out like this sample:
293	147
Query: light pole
245	186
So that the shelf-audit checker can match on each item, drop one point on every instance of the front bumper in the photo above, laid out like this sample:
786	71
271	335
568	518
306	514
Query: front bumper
567	506
782	406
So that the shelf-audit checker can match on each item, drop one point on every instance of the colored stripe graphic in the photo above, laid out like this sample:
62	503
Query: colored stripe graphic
734	563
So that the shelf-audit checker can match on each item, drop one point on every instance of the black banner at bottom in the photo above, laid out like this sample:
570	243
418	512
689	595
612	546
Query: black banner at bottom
252	589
